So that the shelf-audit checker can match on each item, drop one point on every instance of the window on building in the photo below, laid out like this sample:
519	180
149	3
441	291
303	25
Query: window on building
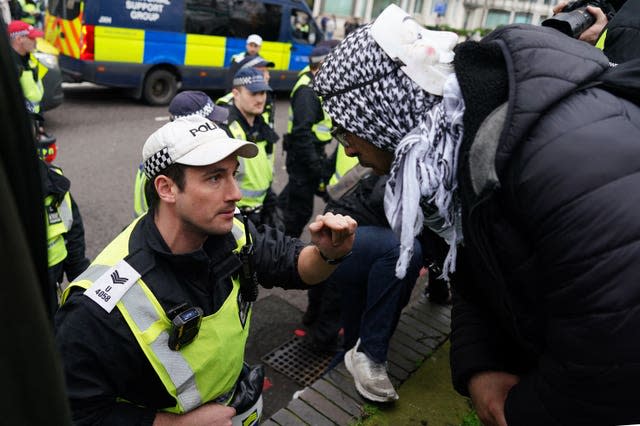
496	18
340	8
417	8
522	18
550	2
301	28
233	18
379	6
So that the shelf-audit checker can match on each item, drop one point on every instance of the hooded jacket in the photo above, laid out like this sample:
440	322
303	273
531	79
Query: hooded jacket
547	284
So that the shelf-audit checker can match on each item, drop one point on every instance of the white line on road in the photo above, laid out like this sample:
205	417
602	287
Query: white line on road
162	118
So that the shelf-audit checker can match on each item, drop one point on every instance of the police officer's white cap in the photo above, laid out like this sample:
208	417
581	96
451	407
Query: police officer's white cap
193	141
255	39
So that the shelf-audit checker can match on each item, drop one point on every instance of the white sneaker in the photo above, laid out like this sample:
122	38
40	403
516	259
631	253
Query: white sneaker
371	379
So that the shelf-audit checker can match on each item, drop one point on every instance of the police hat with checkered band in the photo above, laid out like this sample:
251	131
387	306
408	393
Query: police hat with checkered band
193	141
252	79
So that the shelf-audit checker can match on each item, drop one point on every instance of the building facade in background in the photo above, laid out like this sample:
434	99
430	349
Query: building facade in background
461	14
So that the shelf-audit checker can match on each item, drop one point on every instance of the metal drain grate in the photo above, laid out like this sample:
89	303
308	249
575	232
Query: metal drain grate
296	360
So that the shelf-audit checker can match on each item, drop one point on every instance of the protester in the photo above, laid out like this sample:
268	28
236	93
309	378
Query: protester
519	153
154	332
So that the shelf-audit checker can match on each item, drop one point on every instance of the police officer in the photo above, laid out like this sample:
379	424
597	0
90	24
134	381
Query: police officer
183	104
262	65
23	41
253	46
245	122
65	231
154	331
309	131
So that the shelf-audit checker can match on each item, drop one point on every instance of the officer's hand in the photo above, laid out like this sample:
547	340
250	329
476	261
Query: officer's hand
207	414
489	390
333	234
591	34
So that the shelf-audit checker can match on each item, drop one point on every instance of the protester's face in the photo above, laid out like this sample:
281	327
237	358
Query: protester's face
368	154
253	49
207	202
29	44
249	103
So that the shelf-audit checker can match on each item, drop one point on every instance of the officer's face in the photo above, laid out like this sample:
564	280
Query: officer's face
206	204
253	49
368	154
249	103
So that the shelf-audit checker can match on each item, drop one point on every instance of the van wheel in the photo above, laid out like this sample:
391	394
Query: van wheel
160	87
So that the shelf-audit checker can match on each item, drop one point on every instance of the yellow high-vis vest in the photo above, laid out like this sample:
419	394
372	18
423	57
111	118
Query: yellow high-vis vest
206	369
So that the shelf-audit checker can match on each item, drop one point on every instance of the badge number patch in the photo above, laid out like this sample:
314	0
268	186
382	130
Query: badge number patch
107	290
53	215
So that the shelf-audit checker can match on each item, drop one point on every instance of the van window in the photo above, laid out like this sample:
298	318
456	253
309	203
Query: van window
72	9
233	18
208	17
256	17
302	28
55	7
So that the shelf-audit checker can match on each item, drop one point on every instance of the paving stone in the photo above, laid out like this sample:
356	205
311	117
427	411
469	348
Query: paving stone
430	317
397	372
345	384
326	407
426	330
435	307
338	397
428	320
410	338
405	351
403	362
269	423
285	418
308	413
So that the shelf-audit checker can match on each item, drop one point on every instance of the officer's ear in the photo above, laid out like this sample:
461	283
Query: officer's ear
166	188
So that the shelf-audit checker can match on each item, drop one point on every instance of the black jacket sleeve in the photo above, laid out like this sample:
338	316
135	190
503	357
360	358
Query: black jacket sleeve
101	363
76	261
307	110
276	258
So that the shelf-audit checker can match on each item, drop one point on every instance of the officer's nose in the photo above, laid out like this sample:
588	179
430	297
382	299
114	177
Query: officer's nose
234	193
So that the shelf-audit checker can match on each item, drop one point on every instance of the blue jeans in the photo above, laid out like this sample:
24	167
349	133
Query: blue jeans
372	296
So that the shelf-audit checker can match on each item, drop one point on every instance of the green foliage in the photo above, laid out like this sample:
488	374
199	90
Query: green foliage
465	33
471	419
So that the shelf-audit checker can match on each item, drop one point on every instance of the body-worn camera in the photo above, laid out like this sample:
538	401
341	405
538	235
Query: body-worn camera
574	18
185	325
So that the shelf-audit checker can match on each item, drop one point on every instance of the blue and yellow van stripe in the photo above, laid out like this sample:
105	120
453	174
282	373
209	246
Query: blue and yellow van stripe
114	44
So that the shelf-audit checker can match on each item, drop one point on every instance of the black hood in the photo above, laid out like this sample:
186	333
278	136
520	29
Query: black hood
530	67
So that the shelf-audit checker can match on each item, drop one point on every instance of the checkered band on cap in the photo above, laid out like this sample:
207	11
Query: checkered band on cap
19	34
205	111
157	162
244	81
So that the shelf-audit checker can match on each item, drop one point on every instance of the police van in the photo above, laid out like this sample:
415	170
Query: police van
156	46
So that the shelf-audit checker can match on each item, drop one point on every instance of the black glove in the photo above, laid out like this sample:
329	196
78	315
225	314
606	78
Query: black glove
248	388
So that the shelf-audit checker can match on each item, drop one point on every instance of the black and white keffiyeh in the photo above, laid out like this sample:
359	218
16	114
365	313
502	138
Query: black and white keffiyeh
368	94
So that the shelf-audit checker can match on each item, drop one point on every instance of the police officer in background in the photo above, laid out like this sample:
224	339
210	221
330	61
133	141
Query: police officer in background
309	130
262	65
245	122
23	41
254	44
154	331
65	231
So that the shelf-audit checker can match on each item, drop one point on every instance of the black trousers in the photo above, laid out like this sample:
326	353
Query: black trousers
296	201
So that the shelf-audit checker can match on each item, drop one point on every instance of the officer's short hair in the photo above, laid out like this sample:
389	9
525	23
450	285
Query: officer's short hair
175	172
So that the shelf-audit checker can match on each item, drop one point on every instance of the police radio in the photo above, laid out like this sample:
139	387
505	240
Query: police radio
185	325
248	276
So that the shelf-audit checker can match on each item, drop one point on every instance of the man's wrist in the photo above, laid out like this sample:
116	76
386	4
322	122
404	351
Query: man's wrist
333	261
